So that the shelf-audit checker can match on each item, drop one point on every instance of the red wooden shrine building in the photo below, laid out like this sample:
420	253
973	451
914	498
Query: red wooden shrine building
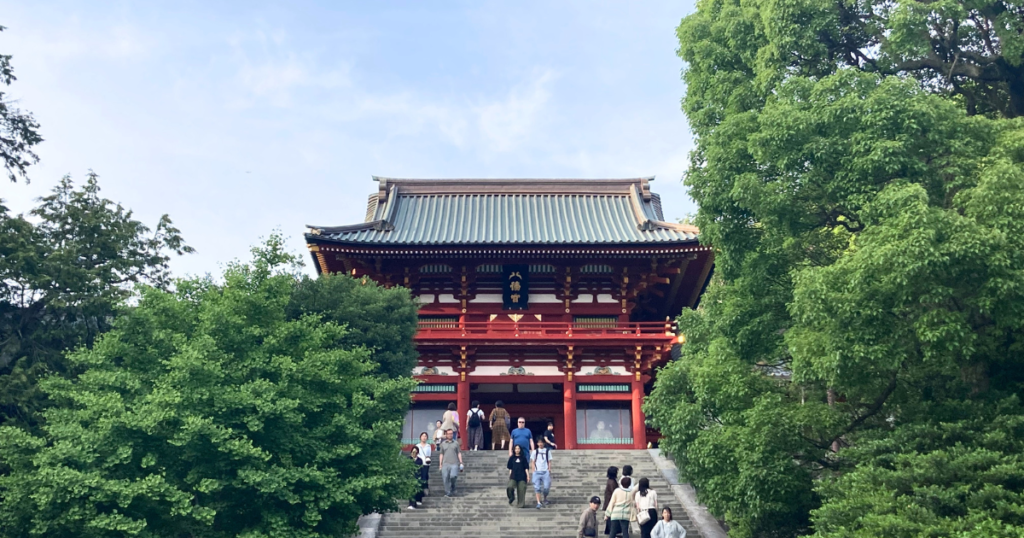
553	296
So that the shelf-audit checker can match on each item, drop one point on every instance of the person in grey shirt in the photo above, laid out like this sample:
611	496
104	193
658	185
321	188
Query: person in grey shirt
449	468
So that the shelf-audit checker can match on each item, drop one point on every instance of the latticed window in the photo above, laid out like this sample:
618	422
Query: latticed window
435	269
488	269
439	322
599	423
421	418
603	387
596	270
595	322
542	269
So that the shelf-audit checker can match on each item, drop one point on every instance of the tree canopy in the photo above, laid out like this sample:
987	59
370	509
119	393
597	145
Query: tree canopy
210	411
19	132
64	269
859	169
382	319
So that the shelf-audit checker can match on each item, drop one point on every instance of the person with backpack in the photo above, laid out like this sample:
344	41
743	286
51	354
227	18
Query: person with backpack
588	519
475	423
500	422
645	501
541	462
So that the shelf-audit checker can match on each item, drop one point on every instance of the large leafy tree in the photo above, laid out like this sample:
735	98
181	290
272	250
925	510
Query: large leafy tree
860	171
64	269
381	319
210	411
19	132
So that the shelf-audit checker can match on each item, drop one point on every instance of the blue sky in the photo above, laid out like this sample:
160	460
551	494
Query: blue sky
237	118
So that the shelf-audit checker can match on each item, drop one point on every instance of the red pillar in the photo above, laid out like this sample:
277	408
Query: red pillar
639	430
463	408
569	414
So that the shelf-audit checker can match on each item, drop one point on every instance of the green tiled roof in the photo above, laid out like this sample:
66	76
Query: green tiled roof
525	212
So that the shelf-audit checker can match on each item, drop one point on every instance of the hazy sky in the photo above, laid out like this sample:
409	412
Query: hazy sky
237	118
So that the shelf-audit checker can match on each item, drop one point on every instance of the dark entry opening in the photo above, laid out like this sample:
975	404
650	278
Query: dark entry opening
538	425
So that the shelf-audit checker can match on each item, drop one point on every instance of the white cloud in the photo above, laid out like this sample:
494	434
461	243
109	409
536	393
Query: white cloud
269	71
508	122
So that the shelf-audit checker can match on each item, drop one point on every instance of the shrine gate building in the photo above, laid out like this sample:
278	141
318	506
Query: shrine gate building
554	296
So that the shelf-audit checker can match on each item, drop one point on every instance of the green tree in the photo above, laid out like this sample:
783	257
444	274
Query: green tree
19	132
63	271
383	320
866	209
208	412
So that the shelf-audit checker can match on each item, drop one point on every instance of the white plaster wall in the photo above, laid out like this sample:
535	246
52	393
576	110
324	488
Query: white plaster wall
589	369
498	370
441	370
447	298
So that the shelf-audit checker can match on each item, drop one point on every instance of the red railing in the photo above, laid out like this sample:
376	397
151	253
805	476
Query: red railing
545	330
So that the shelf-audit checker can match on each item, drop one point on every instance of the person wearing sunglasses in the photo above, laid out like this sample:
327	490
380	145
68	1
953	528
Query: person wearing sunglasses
522	437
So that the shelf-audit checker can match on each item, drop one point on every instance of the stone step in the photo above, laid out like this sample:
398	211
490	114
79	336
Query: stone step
480	506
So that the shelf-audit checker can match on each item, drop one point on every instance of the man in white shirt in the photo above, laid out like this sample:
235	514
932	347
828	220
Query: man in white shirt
540	460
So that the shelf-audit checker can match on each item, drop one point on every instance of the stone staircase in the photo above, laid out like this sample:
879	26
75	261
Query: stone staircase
480	507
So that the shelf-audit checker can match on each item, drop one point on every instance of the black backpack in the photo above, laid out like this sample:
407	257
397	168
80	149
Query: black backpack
474	419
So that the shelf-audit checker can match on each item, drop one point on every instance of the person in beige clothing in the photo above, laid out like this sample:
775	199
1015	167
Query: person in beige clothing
450	420
620	507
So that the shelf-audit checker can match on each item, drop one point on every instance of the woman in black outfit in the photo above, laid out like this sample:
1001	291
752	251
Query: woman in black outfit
609	488
518	476
421	475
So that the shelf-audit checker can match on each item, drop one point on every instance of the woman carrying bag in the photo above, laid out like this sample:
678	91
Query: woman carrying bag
645	501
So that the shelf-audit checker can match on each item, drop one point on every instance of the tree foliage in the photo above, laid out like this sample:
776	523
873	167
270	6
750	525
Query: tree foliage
210	411
383	320
19	132
866	203
63	271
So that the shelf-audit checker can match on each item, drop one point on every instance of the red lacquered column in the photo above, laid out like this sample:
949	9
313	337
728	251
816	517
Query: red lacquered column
463	405
569	413
639	431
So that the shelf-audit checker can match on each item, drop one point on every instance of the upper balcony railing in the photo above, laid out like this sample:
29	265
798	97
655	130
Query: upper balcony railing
545	330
